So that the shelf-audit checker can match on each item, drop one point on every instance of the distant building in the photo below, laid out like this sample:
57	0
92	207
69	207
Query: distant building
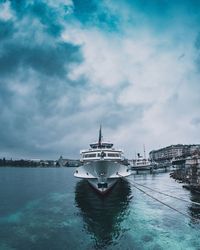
35	160
67	162
173	151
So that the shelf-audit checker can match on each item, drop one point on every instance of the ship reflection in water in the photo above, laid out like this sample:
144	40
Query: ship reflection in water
103	215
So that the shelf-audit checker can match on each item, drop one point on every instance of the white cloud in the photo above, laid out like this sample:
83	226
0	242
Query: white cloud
102	57
141	85
157	74
5	11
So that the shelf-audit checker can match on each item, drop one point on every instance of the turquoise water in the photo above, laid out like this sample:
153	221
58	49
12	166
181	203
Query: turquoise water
50	209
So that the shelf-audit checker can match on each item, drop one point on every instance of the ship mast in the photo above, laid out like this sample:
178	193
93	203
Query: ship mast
144	152
100	137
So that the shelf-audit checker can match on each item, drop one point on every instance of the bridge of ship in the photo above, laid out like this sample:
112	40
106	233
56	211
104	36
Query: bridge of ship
103	151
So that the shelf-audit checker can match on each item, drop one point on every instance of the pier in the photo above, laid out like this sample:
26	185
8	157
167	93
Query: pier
189	173
152	168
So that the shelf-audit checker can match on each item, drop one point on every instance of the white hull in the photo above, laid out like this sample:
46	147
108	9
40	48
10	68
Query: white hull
102	190
102	174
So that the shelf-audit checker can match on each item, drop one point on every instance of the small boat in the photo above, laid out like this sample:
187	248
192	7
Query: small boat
102	165
141	163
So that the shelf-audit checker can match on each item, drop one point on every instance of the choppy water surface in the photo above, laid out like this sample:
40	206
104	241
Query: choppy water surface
50	209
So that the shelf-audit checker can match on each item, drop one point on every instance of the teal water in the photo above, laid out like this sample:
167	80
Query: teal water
50	209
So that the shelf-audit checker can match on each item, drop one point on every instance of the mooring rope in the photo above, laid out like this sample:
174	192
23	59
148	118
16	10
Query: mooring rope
154	198
169	195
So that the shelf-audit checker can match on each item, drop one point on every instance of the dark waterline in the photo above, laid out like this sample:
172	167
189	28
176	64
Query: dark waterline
50	209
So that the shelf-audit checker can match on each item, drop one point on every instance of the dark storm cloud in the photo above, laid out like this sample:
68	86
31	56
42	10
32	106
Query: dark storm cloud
6	30
41	10
46	59
34	67
84	10
96	13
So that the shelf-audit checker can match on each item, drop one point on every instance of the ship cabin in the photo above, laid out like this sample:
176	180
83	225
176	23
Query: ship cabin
101	145
101	151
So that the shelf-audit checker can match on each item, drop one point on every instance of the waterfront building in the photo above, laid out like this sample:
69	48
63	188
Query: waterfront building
193	168
173	152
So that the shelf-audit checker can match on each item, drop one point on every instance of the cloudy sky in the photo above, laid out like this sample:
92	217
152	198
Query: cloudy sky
68	65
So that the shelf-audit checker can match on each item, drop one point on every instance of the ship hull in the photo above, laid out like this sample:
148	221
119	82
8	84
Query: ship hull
102	190
102	174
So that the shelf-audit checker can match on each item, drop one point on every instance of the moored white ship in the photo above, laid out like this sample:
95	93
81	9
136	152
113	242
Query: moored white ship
102	165
141	162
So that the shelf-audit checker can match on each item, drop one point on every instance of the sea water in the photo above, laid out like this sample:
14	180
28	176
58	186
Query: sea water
47	208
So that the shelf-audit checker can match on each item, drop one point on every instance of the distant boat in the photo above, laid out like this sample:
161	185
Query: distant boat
142	163
102	165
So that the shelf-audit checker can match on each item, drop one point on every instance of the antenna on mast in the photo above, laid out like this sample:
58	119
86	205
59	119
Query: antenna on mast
144	152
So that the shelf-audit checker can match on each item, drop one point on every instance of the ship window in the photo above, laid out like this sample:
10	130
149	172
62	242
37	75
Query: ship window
89	155
113	155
